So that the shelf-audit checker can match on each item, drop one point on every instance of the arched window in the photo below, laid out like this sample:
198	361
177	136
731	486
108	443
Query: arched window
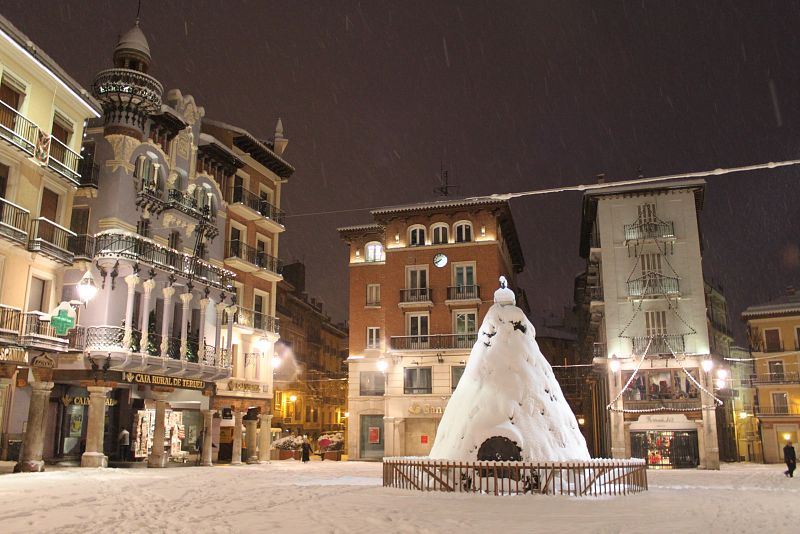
374	251
416	236
463	230
147	172
439	234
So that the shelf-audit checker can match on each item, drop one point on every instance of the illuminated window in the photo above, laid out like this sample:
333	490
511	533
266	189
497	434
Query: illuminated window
463	232
374	252
416	236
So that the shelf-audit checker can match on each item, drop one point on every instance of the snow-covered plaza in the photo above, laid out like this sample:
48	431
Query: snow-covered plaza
348	497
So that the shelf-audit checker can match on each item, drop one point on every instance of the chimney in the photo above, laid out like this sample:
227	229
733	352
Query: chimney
279	142
790	290
601	178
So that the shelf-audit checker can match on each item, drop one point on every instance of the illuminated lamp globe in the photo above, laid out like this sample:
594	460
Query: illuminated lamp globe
382	365
292	398
707	365
276	362
614	364
262	344
87	289
722	374
720	382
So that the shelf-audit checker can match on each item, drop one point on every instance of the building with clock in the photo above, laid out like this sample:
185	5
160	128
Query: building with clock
421	280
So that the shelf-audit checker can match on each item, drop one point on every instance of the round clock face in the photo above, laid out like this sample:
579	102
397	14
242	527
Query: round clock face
440	260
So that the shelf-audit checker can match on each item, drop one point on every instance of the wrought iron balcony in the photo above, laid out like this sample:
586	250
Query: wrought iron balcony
653	285
10	323
776	378
262	260
150	197
17	129
90	173
464	292
599	350
118	244
239	195
595	293
82	246
271	212
14	221
667	405
776	411
64	161
661	344
649	230
253	319
434	342
217	357
188	204
418	294
37	333
129	89
51	239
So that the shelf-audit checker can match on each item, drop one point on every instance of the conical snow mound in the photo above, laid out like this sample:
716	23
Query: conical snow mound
508	392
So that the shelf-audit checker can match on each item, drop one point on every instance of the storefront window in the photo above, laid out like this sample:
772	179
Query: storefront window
661	385
666	449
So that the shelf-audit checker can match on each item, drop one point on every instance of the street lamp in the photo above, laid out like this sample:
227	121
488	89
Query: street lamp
276	362
87	289
614	364
707	364
382	365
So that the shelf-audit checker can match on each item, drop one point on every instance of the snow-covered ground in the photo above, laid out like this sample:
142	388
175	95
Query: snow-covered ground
347	497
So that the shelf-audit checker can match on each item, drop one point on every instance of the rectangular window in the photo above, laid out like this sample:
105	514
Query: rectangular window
175	240
464	275
647	212
373	337
143	227
12	93
371	383
373	294
772	340
4	170
417	277
780	403
417	381
655	323
418	326
776	371
651	264
37	295
456	372
79	223
49	205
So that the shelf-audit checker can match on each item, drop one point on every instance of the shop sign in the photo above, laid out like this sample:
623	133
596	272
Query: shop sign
423	439
235	385
158	380
66	400
427	409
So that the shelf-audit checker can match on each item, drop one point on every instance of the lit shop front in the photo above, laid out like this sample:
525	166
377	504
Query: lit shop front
130	405
665	441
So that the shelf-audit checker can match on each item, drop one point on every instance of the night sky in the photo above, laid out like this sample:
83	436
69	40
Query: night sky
510	96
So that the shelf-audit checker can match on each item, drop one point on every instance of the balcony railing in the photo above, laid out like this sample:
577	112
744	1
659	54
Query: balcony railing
773	347
664	404
13	221
767	411
661	344
776	378
649	230
599	350
10	322
90	173
419	294
51	239
188	204
434	342
64	160
36	332
253	319
653	285
262	260
464	293
82	246
240	195
17	129
116	244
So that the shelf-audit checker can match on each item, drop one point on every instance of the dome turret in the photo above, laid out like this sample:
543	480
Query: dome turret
132	50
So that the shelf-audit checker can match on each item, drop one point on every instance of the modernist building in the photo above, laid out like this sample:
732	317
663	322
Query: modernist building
421	281
774	333
42	117
642	302
311	379
183	304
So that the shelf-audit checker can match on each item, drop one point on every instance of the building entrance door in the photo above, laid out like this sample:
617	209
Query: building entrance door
371	436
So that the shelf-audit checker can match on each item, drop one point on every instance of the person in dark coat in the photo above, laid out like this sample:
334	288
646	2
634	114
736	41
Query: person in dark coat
306	451
198	444
790	457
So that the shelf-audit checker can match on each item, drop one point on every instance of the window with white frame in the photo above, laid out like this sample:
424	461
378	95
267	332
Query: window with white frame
373	337
456	372
373	294
417	325
416	236
655	323
780	403
417	381
651	264
374	252
463	231
371	383
146	171
647	212
465	327
439	234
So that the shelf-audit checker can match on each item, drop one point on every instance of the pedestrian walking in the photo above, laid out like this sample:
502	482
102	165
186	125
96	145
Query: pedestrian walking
790	457
306	451
124	442
199	446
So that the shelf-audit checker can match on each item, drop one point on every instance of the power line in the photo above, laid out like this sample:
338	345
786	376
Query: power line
590	187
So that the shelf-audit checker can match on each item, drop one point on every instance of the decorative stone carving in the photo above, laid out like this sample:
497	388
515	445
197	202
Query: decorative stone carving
123	147
172	221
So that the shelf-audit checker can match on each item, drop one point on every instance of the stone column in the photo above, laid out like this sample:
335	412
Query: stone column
201	337
5	382
252	440
186	299
710	443
158	455
94	457
208	428
264	438
617	419
388	436
168	292
236	454
218	334
148	289
30	458
132	280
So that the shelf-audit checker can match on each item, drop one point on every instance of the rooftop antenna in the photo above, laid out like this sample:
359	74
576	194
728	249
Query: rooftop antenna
444	185
138	11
